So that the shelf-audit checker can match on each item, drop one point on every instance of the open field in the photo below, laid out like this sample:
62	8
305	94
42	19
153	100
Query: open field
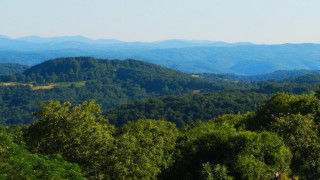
13	84
48	86
69	84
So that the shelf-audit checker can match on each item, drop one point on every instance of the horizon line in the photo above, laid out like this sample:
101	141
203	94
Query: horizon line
155	41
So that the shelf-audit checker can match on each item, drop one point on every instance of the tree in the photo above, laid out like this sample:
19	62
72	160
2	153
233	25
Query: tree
283	104
246	155
216	172
79	134
17	163
301	135
143	149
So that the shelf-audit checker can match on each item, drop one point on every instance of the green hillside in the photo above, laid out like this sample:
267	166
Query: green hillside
110	82
113	83
157	123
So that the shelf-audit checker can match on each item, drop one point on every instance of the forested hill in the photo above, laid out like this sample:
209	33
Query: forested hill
148	75
109	72
183	110
12	68
78	142
109	82
114	82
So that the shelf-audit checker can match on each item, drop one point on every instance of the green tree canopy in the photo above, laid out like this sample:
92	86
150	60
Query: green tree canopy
143	149
301	134
79	134
245	154
17	163
283	104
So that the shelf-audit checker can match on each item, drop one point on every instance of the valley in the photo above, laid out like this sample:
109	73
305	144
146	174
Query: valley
160	115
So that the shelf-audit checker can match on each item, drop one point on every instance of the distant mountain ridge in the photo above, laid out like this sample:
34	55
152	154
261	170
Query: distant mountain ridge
276	75
12	68
185	55
36	43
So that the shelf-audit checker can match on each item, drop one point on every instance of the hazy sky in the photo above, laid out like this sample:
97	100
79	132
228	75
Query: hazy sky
259	21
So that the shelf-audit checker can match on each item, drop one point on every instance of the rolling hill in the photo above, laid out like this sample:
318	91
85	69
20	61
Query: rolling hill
109	82
183	55
114	83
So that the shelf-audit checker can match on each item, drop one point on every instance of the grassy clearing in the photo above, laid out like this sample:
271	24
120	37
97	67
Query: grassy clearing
49	86
13	84
196	91
195	75
69	84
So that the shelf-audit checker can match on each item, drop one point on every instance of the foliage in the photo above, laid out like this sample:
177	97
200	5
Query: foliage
221	143
282	104
113	83
217	172
17	163
296	119
143	149
229	143
15	131
79	134
110	82
301	135
282	136
185	109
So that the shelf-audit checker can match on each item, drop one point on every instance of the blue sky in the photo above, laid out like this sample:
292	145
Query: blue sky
258	21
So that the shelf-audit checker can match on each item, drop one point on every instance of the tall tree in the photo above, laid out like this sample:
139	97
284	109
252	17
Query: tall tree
79	134
143	149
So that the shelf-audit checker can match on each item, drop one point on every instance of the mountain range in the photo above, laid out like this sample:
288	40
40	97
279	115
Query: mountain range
189	56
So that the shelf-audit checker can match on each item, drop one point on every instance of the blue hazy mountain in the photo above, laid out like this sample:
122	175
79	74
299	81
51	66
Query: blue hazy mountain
37	39
184	55
246	60
4	37
36	43
12	68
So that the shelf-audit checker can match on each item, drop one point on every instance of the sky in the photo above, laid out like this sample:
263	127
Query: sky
257	21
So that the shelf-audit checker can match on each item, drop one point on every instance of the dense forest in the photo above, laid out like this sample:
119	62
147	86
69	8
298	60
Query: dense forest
77	142
183	110
86	118
113	83
110	82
